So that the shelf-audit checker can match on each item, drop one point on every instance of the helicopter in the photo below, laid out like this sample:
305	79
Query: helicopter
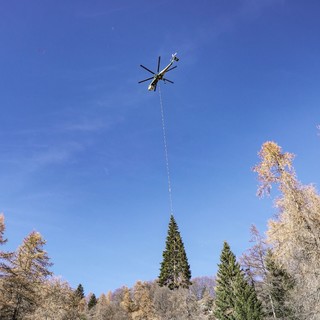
159	75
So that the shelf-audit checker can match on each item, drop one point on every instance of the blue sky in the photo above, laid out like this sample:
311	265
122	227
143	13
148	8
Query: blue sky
82	158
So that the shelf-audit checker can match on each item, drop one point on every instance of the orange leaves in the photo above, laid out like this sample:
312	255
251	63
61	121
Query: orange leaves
274	167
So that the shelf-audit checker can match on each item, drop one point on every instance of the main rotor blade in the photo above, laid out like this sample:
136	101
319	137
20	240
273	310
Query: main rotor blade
145	80
146	68
164	79
171	68
158	65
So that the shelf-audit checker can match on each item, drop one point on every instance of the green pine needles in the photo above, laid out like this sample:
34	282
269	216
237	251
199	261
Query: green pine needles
236	298
175	271
79	292
280	284
92	301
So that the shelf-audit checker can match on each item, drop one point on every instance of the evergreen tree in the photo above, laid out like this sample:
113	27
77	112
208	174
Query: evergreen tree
175	270
279	284
207	304
253	261
79	292
247	305
236	299
92	301
225	295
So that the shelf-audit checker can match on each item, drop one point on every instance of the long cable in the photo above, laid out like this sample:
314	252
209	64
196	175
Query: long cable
166	150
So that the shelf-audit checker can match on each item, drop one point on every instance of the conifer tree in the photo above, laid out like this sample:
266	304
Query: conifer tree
24	277
144	308
127	303
79	292
294	234
2	229
4	256
236	299
247	305
79	301
175	270
225	295
92	301
279	285
207	303
102	307
254	263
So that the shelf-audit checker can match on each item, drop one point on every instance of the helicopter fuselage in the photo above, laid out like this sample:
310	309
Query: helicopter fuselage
154	82
159	76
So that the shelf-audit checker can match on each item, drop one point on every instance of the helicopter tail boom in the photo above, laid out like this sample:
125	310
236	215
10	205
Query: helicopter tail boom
174	57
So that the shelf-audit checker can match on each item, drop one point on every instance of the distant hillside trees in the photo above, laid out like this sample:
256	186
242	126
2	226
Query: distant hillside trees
175	270
57	302
295	233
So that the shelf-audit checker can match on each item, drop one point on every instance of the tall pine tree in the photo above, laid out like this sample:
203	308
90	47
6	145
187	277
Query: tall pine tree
247	305
236	299
175	270
225	295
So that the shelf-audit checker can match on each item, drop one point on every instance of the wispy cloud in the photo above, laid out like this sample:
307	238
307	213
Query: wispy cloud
56	154
57	144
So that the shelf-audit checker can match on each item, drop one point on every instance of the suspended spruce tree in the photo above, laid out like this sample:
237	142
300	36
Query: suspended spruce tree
236	299
175	271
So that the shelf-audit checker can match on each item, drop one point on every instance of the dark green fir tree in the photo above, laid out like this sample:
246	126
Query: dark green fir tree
79	292
279	285
236	299
247	305
225	295
92	301
175	271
